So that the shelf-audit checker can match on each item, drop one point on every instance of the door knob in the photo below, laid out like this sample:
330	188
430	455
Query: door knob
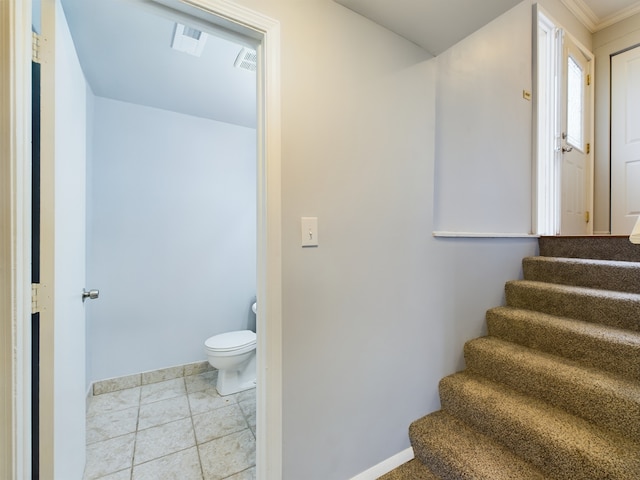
91	294
566	149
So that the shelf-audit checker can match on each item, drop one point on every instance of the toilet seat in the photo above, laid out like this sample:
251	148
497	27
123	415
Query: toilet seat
231	341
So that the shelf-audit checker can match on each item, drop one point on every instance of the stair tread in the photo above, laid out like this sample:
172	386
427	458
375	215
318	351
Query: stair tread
546	436
607	400
602	274
596	345
607	247
411	470
618	309
454	450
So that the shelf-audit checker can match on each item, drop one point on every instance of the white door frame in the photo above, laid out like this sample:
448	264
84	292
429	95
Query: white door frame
15	239
15	212
547	124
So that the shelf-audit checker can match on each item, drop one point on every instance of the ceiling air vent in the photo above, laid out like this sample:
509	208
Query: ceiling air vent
247	59
188	40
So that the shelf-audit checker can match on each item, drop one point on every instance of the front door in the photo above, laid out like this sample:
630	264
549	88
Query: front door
62	254
576	196
625	141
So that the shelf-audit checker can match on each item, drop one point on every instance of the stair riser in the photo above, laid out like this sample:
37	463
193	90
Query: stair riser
620	310
621	276
606	402
536	443
589	345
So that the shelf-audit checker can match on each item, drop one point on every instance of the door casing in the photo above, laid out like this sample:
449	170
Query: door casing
15	104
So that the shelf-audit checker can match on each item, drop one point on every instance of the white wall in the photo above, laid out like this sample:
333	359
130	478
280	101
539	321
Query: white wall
483	129
173	236
378	313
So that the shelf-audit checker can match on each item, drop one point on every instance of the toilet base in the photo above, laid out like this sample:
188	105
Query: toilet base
224	391
234	380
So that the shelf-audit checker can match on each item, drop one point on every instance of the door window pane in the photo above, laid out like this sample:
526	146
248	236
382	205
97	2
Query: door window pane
575	104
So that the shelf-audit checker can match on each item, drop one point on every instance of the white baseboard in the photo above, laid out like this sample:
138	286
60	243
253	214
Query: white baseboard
386	466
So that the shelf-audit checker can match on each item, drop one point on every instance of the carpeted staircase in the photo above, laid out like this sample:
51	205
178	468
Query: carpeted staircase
553	392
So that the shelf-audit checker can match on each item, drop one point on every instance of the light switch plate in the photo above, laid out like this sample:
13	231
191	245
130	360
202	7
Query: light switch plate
309	231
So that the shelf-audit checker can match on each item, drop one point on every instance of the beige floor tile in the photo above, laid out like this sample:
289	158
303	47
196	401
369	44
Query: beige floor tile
218	423
109	456
156	442
207	400
163	411
228	455
244	475
247	395
248	408
202	382
114	401
121	475
183	465
162	390
112	424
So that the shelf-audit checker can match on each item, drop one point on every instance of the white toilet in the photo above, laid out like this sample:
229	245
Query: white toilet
234	355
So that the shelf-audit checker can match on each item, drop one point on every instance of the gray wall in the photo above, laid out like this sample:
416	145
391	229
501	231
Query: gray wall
172	236
379	312
483	129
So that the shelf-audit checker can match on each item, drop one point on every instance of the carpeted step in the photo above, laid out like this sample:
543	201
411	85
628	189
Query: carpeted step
617	309
593	345
606	400
606	247
412	470
604	274
561	445
452	450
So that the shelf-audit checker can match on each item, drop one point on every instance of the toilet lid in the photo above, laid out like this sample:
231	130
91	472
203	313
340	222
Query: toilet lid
231	340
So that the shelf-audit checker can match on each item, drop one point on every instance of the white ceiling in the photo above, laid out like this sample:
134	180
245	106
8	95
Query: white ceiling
124	47
125	51
436	25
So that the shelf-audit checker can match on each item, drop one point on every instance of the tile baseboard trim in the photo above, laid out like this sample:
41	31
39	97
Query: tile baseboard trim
154	376
386	465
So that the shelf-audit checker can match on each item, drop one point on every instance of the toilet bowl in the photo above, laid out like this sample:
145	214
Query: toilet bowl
234	355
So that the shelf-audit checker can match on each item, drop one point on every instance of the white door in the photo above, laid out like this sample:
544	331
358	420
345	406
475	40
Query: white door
576	170
625	141
62	320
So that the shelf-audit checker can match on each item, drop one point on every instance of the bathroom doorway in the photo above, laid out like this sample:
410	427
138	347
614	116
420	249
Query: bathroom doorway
267	229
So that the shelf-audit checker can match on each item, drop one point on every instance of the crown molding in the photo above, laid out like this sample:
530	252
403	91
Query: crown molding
589	19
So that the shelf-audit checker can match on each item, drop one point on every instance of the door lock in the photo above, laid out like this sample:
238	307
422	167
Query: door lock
91	294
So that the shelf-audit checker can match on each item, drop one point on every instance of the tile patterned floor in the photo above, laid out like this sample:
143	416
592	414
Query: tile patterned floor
176	429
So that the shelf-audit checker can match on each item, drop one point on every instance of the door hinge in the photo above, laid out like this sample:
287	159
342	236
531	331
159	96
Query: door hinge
35	47
588	148
586	216
35	307
588	79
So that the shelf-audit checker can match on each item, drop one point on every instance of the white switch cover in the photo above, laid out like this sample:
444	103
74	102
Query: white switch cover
309	231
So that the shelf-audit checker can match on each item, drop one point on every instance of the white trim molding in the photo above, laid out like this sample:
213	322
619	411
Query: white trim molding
15	239
444	234
386	465
593	22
